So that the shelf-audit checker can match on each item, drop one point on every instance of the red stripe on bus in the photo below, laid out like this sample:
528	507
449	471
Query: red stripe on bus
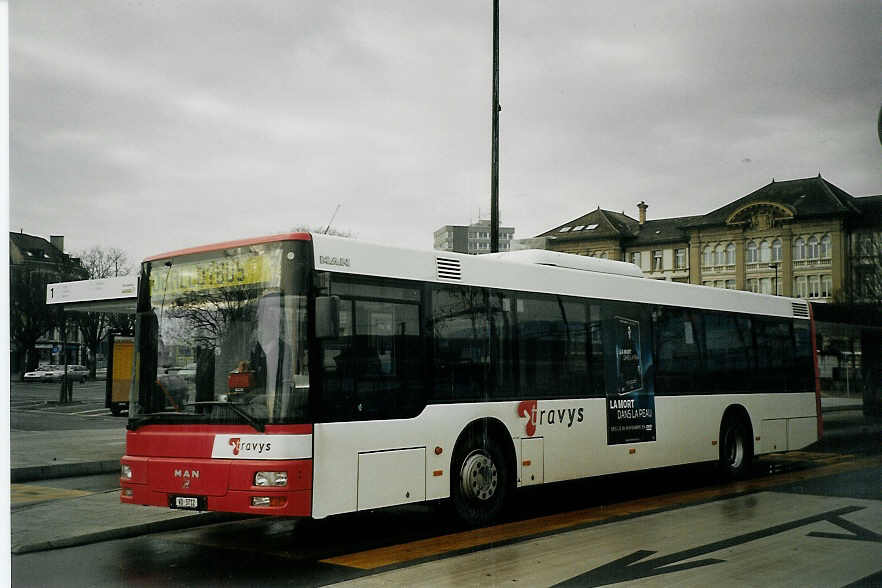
231	244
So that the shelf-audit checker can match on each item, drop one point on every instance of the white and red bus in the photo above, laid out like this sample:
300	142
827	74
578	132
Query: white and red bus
309	375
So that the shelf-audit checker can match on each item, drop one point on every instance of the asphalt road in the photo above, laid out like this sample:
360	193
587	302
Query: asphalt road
270	551
35	407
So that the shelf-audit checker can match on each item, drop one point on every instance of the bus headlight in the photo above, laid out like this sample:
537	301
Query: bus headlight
125	472
271	479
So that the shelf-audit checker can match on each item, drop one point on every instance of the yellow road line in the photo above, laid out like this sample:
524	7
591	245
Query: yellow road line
397	554
24	493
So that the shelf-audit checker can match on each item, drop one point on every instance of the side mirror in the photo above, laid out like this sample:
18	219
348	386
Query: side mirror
327	317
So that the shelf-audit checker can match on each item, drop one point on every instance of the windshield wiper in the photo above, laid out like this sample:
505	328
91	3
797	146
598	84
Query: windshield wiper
235	408
143	419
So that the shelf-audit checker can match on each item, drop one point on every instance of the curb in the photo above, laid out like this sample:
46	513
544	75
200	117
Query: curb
846	408
66	470
175	524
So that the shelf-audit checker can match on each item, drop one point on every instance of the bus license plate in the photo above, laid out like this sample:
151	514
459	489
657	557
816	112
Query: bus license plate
187	502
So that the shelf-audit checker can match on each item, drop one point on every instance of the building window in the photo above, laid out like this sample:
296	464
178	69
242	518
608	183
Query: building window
680	258
765	252
635	258
753	285
766	285
826	286
812	249
776	250
752	256
730	284
799	249
814	287
657	260
801	289
826	247
730	254
707	257
719	255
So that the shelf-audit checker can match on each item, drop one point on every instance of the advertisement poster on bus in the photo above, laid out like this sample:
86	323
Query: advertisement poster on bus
630	409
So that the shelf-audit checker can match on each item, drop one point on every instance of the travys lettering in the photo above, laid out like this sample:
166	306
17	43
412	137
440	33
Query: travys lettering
249	446
555	416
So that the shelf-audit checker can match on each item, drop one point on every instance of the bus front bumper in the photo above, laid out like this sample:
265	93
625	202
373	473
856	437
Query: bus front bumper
217	485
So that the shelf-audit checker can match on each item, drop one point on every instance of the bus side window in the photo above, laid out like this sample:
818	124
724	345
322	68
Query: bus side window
678	353
775	355
373	369
552	355
730	362
461	332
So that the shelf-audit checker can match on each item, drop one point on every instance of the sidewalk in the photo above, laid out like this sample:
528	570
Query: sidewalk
96	517
837	403
42	455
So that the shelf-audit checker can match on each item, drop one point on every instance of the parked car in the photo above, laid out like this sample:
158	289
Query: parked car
55	373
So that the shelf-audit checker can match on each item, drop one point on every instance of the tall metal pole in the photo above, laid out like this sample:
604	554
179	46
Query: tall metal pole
494	157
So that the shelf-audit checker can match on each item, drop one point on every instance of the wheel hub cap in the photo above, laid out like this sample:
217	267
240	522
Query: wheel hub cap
479	477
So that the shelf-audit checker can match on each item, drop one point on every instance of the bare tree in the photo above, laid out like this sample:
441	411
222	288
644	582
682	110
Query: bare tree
30	318
99	264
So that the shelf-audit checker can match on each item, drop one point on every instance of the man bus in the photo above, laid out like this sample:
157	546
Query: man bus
328	375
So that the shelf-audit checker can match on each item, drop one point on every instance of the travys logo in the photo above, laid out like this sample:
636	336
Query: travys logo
554	416
248	446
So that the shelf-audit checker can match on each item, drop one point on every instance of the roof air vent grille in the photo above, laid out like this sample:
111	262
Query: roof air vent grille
800	309
448	269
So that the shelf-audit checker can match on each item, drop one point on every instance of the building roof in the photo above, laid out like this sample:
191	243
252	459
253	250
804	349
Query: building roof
30	248
807	197
871	212
596	224
664	230
38	252
804	197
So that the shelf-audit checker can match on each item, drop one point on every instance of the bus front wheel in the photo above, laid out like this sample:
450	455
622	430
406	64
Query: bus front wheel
481	483
736	449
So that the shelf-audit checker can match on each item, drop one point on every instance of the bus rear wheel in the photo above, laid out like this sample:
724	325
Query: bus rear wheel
736	449
481	482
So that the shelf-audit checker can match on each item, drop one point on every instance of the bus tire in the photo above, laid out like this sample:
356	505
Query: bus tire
481	481
115	409
736	448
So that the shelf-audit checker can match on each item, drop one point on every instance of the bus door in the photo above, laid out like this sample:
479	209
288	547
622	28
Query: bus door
630	374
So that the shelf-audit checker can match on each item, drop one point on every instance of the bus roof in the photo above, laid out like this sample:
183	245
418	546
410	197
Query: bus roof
569	275
231	244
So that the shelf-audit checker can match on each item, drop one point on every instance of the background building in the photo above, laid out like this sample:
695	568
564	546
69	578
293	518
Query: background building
35	328
473	239
804	238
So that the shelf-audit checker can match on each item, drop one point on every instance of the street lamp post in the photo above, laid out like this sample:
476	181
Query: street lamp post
494	149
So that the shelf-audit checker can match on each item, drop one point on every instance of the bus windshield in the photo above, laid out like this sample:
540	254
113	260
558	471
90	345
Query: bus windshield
222	338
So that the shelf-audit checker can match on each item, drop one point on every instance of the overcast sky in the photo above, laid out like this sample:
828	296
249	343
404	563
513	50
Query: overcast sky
156	124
